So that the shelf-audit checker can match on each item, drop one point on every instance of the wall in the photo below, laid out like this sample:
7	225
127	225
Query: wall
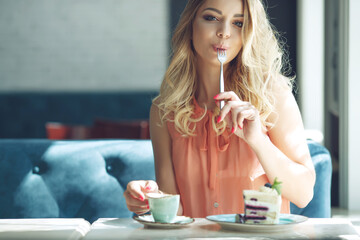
83	45
342	99
310	57
353	107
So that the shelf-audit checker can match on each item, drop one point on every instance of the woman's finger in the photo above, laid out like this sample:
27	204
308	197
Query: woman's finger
224	111
230	106
137	188
151	186
235	115
136	192
141	206
134	201
135	205
139	210
248	114
229	96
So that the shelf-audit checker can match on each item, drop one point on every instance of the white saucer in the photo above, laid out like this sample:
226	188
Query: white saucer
148	221
286	222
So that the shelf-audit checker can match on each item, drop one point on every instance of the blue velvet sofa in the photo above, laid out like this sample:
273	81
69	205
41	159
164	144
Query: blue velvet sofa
40	178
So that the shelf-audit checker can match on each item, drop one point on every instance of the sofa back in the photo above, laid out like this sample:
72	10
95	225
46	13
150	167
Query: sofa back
87	178
70	179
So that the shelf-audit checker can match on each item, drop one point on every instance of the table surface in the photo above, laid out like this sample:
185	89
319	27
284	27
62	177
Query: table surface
47	228
126	228
315	228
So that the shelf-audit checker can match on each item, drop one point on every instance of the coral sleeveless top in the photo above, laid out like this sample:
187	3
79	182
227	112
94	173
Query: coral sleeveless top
212	171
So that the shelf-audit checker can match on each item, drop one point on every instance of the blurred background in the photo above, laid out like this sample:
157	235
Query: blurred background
89	69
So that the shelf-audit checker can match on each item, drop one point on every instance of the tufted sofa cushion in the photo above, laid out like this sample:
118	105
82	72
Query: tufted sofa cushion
43	178
86	179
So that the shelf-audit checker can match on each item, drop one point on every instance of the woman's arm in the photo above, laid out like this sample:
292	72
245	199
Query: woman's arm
161	141
285	153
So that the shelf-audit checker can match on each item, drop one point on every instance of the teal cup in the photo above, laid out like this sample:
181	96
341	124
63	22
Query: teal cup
163	207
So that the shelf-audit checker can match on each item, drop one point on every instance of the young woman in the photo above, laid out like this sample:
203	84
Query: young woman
208	155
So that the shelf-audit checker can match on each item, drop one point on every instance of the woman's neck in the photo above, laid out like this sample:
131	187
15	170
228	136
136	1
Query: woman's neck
208	84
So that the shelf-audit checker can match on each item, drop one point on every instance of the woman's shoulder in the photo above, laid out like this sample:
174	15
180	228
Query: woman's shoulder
157	116
154	112
157	112
155	106
284	100
279	82
286	118
280	88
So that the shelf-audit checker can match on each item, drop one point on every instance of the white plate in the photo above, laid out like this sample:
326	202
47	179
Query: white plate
148	221
286	222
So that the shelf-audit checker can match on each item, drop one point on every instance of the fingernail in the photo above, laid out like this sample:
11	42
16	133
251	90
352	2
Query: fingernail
216	96
147	206
219	119
148	188
141	198
240	126
233	130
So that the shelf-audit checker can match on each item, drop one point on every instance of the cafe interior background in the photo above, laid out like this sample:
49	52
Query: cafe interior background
82	69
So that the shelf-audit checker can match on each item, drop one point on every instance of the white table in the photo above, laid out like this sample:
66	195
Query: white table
111	228
49	229
114	228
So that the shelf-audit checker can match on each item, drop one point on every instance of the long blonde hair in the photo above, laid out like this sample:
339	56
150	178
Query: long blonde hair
250	75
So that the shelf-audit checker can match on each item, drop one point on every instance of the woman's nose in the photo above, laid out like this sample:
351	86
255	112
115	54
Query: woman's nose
223	31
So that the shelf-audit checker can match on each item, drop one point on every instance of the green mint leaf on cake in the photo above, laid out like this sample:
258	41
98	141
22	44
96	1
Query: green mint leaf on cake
277	186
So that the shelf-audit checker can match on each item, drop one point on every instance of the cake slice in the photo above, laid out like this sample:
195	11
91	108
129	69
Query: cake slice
263	206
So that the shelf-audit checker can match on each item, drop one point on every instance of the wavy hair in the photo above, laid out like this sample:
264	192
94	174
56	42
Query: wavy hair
251	75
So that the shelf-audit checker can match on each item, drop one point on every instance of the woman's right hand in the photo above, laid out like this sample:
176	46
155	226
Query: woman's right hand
135	195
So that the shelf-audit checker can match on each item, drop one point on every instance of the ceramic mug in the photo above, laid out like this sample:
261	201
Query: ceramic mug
163	207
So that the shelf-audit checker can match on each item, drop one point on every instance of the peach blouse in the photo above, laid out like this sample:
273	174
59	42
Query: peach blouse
211	171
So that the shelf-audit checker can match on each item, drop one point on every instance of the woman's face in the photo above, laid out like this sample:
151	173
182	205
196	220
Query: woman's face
217	25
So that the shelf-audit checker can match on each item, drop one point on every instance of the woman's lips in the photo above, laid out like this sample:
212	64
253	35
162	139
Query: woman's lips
219	47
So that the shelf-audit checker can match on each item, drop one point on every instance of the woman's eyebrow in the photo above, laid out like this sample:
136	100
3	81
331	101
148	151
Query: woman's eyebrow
220	12
213	9
238	15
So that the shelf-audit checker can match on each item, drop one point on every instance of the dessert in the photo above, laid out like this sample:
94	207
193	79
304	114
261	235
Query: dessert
263	206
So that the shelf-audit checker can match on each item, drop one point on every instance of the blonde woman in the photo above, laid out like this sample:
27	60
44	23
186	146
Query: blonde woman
208	155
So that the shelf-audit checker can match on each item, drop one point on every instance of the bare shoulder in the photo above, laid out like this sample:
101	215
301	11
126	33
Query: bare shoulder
158	127
155	115
284	102
288	131
154	112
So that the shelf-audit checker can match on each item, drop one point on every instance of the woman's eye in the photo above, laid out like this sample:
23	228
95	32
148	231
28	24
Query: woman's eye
209	18
238	24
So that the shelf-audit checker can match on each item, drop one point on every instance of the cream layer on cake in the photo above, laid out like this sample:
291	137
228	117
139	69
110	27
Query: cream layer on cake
262	206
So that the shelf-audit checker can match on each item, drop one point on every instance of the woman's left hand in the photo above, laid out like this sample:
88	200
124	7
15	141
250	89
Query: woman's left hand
244	118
